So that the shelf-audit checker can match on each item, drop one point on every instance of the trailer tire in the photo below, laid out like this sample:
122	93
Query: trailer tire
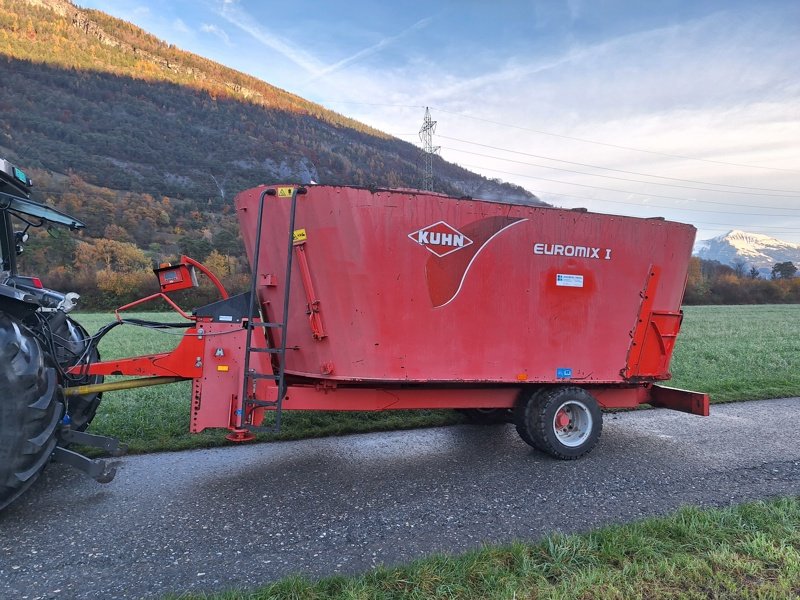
564	422
72	342
488	416
30	409
525	398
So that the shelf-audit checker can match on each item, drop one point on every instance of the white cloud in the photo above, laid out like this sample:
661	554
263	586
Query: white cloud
180	26
375	48
722	88
575	8
239	18
311	64
217	31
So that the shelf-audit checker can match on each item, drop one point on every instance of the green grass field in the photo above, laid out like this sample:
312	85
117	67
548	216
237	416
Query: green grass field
739	352
732	352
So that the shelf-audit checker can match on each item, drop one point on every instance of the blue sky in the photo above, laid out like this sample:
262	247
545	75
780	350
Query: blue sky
687	110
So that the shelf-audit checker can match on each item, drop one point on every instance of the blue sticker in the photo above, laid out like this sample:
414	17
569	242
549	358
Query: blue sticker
238	412
563	373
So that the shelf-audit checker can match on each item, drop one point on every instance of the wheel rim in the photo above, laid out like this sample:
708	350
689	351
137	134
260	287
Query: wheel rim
572	423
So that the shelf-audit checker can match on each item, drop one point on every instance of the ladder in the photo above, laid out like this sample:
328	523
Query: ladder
277	373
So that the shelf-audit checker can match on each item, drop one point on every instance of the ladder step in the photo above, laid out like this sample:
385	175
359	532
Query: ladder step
261	403
254	320
264	376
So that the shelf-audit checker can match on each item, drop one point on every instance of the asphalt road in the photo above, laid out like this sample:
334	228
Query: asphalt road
247	515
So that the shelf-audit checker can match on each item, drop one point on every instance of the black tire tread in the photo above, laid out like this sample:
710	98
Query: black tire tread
81	409
484	416
525	398
537	421
30	409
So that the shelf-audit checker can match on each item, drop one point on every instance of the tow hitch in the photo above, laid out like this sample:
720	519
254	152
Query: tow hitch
96	468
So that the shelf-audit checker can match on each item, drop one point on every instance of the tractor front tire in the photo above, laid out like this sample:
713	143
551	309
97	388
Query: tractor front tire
30	409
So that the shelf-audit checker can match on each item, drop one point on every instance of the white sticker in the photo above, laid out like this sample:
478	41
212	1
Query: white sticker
224	318
564	280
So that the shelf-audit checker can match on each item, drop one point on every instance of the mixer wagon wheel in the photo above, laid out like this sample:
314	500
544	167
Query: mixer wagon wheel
526	397
488	416
564	422
30	409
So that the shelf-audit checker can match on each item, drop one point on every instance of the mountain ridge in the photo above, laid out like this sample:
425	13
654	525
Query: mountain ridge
81	19
258	133
753	249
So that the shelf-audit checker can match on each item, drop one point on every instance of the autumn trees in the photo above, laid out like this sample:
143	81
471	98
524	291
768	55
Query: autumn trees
710	282
110	262
783	270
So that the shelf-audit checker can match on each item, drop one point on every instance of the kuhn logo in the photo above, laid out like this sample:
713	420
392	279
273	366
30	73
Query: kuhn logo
440	238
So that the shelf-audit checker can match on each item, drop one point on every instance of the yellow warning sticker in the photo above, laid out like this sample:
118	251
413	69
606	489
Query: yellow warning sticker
285	192
299	235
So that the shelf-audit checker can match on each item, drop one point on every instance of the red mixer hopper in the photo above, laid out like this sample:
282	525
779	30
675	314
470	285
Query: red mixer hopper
410	286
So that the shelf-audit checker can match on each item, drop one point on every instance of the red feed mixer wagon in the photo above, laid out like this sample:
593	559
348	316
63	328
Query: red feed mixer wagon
363	300
397	299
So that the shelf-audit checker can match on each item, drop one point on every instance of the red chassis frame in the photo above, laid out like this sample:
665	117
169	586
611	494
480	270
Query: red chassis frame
211	355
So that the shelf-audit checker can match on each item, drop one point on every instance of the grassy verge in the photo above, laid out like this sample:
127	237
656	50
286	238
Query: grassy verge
732	352
750	551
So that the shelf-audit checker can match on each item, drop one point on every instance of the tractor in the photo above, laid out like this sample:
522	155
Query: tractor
39	344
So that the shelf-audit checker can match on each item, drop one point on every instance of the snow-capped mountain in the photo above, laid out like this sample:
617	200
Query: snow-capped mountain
756	250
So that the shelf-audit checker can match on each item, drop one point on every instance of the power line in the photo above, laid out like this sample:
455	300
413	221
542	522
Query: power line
573	138
725	225
619	146
596	187
716	212
687	187
739	226
570	162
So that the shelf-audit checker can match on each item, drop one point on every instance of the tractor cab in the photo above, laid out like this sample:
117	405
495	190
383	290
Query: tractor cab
20	295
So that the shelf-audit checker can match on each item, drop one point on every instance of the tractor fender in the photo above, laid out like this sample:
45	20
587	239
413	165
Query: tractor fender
17	303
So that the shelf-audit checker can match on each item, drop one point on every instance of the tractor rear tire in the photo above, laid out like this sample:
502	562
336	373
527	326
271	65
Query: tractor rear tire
30	409
72	342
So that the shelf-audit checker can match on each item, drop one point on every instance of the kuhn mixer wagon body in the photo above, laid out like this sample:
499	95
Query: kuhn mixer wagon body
368	300
394	286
